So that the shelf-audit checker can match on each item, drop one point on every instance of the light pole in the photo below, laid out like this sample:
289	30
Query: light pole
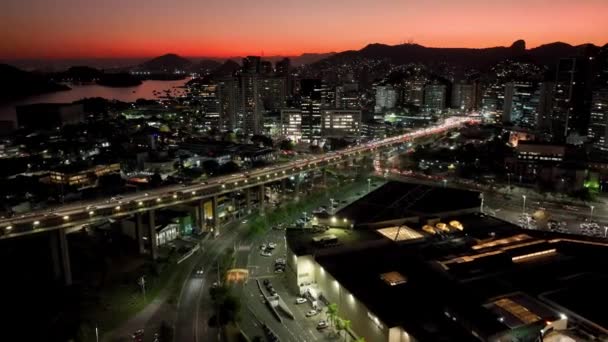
445	183
96	334
605	231
142	283
369	185
331	201
591	212
481	206
523	210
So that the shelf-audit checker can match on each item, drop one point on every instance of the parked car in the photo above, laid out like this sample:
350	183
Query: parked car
311	313
322	325
200	272
272	245
301	300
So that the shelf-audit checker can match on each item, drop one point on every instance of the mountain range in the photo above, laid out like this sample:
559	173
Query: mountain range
547	54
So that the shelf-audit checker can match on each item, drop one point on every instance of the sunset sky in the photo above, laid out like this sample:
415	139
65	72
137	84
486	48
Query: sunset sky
140	28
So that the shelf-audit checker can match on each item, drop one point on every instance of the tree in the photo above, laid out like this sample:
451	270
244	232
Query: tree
286	145
156	180
332	313
259	139
229	167
345	326
211	166
360	339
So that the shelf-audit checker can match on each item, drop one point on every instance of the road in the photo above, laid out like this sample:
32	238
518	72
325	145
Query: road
302	328
89	212
194	307
510	206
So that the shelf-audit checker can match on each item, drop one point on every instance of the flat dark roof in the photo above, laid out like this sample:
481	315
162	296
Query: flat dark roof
396	200
433	292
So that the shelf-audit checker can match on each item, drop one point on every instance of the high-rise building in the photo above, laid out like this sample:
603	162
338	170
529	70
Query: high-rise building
228	94
463	96
386	98
598	125
272	91
249	115
340	123
312	94
413	91
434	97
211	106
291	124
492	100
520	106
545	110
571	103
252	65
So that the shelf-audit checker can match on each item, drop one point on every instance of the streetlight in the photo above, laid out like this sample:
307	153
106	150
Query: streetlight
481	206
524	204
142	282
369	185
331	200
445	183
591	213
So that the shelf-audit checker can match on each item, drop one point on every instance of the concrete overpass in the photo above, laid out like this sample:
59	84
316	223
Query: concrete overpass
60	218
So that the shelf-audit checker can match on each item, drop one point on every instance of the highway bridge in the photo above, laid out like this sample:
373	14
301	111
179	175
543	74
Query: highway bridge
79	213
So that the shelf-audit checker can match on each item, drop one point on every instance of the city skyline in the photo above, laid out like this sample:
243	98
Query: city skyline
148	28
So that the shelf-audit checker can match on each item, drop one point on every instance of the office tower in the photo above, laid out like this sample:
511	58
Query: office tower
340	123
249	115
545	110
493	100
570	103
282	69
252	65
598	125
272	91
312	95
266	68
413	92
386	98
463	96
291	124
211	106
434	97
228	94
521	102
283	66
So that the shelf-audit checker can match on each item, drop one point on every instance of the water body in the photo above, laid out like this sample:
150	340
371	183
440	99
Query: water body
78	92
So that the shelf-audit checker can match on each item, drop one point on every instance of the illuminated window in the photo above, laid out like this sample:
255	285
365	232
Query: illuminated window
393	278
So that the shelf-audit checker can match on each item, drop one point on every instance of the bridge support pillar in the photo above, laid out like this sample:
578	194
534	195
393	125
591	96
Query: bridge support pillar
261	194
200	213
152	235
139	233
248	199
61	256
297	187
284	187
214	213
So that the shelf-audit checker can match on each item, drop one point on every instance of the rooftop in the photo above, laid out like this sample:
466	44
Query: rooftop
395	200
471	277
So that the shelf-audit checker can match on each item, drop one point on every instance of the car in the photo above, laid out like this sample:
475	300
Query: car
300	300
279	270
311	313
138	335
200	272
322	325
272	245
265	254
280	261
263	246
266	282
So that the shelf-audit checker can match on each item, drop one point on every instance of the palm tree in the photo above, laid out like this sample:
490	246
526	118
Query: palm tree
332	313
345	326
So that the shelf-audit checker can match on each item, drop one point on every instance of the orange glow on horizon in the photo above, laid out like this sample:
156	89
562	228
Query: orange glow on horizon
226	28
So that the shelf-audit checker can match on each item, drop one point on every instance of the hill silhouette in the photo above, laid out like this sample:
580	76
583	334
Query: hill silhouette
547	54
16	83
167	63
